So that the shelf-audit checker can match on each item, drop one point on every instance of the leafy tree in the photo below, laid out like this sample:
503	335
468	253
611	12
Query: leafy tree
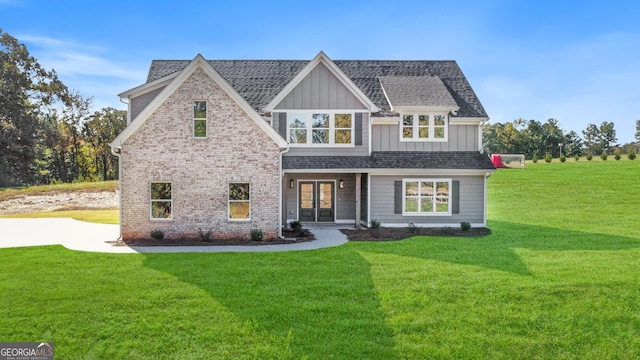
27	91
638	130
98	132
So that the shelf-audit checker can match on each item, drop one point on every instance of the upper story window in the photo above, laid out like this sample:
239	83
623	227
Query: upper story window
320	128
423	127
199	119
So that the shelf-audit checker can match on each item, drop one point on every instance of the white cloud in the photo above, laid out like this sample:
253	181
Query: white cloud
69	58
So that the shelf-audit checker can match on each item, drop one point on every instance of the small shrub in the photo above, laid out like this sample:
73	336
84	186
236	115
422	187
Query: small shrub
157	234
576	157
413	228
205	236
375	223
603	156
296	225
465	226
535	159
617	156
548	158
563	158
632	155
589	157
257	235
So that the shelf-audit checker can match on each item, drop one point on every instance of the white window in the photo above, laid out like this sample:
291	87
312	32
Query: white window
199	119
423	127
161	200
318	128
426	197
239	201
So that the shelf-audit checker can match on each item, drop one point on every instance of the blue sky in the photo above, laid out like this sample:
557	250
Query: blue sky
576	61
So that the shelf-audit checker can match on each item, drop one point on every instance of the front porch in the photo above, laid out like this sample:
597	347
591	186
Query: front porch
330	198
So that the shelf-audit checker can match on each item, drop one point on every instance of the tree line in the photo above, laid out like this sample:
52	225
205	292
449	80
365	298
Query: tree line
48	132
535	139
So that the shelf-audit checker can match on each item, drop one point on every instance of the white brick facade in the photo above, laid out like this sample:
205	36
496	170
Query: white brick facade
163	149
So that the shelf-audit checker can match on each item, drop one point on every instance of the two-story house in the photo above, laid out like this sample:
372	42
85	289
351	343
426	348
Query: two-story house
233	145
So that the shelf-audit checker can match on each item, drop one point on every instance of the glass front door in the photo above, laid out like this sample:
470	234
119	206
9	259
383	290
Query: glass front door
317	201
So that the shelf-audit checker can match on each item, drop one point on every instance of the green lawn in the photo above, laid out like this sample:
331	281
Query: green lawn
102	216
558	279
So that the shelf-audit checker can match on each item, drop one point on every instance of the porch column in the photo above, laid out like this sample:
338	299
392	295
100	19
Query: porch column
358	195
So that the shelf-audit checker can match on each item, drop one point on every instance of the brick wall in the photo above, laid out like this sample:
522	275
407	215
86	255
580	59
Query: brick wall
235	150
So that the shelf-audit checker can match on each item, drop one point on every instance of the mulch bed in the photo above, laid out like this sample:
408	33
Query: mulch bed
393	234
289	238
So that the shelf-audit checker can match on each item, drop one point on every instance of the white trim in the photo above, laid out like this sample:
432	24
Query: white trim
368	199
332	128
321	58
486	198
147	87
205	118
229	218
419	196
428	109
431	127
151	200
427	225
385	120
465	121
198	62
459	172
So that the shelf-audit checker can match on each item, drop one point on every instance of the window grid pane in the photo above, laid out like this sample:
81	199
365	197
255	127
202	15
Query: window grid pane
239	200
160	200
426	197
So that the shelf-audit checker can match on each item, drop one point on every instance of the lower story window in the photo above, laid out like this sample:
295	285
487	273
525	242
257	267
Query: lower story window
426	197
239	201
161	200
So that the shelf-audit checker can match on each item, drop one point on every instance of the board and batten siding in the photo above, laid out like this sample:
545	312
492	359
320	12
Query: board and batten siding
138	103
386	137
360	139
320	89
471	205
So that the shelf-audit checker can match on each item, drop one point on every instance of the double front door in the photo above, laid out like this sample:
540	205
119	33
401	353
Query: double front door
317	201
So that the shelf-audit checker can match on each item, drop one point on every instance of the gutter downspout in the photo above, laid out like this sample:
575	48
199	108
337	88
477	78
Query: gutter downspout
118	152
280	193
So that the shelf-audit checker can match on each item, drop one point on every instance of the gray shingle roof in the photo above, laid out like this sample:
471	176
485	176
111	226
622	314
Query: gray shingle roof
443	160
259	81
403	91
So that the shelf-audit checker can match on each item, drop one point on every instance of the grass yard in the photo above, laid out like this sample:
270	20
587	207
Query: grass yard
102	216
558	279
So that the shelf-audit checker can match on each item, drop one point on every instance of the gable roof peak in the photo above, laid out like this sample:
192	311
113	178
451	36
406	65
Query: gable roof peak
335	70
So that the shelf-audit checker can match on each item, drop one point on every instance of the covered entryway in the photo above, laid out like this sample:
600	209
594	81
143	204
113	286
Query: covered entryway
317	201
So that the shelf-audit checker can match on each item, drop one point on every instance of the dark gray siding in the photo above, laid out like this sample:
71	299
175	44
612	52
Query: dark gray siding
461	138
471	201
320	90
138	103
345	201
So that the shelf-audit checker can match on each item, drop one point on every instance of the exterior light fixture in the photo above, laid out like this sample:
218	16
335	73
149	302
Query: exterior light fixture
291	183
341	184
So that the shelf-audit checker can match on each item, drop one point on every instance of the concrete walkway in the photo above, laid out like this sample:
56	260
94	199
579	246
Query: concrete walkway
84	236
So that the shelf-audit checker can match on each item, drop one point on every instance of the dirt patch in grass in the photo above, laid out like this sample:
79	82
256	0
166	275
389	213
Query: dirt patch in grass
290	237
393	234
